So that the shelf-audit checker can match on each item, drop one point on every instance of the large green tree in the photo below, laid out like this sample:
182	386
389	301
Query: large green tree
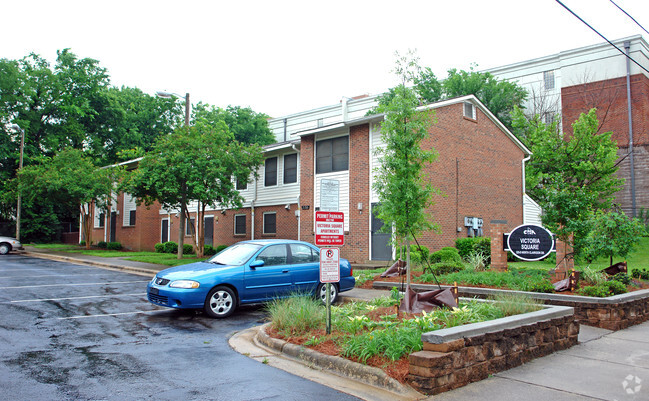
570	175
500	97
68	180
613	234
198	164
246	125
403	190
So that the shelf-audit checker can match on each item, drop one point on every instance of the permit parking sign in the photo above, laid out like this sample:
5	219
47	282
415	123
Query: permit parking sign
329	265
329	228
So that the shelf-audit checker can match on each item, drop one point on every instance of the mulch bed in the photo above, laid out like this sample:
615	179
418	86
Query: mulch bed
398	369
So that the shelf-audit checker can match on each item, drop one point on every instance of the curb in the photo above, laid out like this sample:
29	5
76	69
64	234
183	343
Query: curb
60	258
366	374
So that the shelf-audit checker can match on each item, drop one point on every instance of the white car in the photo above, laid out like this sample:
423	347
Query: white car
8	244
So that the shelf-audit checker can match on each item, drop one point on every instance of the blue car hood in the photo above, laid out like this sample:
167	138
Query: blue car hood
195	270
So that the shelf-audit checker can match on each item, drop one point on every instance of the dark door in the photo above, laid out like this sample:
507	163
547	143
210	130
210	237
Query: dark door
164	231
209	231
113	226
381	248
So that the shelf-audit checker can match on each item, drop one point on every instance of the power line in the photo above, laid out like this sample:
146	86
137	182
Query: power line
628	15
595	30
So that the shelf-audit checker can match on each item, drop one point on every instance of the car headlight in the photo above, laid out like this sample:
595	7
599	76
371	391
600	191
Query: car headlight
184	284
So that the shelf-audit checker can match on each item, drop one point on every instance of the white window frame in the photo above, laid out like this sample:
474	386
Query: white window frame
245	224
472	115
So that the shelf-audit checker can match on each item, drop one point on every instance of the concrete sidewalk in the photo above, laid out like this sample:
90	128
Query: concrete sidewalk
605	365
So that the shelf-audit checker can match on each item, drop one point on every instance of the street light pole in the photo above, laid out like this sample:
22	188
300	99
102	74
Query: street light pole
168	95
20	167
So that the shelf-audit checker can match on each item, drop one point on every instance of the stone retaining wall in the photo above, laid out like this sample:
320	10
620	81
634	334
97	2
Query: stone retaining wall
612	313
451	361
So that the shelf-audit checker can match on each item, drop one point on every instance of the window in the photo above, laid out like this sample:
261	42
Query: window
290	168
131	218
332	155
302	254
102	219
547	117
129	208
270	175
269	223
469	110
548	80
239	224
241	185
189	223
273	255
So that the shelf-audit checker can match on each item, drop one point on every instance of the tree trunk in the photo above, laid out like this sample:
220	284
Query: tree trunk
181	223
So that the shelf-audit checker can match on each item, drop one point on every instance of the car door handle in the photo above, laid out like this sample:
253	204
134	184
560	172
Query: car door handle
284	271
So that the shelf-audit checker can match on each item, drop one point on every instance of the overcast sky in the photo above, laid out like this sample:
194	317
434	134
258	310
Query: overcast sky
283	57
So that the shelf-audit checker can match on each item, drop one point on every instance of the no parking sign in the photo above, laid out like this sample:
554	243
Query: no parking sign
329	265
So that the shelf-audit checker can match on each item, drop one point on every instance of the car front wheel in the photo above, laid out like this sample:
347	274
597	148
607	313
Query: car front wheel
4	249
221	302
322	293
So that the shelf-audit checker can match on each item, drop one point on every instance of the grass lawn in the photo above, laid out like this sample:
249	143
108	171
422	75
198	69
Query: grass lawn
165	259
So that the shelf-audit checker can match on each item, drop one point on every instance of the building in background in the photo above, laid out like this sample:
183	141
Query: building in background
574	81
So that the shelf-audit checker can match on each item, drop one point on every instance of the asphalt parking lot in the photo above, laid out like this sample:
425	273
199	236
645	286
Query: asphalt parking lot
73	332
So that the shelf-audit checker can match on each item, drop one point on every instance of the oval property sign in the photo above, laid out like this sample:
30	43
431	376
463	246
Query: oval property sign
530	242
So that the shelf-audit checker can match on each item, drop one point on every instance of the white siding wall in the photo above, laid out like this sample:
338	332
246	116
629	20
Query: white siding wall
343	196
376	143
129	204
531	211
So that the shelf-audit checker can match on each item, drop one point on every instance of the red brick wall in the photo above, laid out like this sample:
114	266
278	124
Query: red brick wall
307	149
479	172
357	240
610	98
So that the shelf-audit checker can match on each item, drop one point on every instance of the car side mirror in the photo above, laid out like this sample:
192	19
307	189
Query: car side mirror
256	263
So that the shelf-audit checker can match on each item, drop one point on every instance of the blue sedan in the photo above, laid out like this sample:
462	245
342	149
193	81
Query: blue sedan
246	272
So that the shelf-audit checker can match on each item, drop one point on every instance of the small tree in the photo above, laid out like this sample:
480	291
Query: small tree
404	193
68	179
198	163
570	175
613	234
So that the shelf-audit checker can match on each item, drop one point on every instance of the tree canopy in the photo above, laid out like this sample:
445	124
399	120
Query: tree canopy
69	180
246	125
199	164
570	175
404	193
500	97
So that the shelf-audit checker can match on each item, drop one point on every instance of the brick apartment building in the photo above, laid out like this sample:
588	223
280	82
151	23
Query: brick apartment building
479	170
574	81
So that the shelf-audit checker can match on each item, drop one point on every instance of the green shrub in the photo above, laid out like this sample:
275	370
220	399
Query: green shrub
220	248
447	267
296	315
599	291
544	286
616	287
209	250
159	248
188	249
445	255
170	247
467	246
101	244
114	246
640	273
82	243
622	278
418	254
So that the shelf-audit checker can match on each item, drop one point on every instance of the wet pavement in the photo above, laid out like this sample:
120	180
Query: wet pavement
74	332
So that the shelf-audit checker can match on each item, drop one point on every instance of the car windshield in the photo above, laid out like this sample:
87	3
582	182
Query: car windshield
237	254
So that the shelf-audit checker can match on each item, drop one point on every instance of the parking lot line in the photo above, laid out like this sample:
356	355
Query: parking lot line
52	275
108	314
73	284
71	298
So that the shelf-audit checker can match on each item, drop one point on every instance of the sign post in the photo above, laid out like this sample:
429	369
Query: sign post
329	273
329	231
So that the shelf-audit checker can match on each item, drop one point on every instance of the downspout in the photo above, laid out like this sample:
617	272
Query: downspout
252	211
299	208
285	129
524	189
627	46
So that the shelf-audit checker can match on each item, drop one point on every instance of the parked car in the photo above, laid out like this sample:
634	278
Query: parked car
8	244
246	272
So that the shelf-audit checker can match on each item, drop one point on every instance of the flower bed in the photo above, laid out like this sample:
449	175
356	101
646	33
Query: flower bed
434	352
612	313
